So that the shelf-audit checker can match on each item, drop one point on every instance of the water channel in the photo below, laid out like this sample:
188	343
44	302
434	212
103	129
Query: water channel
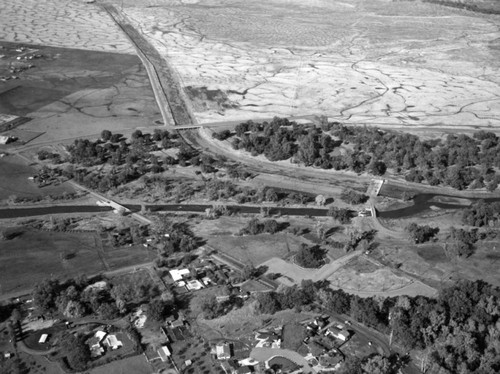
421	203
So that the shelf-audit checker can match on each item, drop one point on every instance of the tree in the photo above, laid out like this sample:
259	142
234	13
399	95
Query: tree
77	352
210	307
158	310
352	365
310	257
267	303
340	214
106	135
353	197
378	365
45	294
421	234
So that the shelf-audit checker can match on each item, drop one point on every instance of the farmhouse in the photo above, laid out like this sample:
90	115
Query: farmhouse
339	334
112	342
164	353
178	274
94	343
223	351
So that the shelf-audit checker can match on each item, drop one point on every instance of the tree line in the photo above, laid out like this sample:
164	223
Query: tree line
459	161
458	331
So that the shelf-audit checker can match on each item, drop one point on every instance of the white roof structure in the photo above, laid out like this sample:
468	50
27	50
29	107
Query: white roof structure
164	353
43	338
100	335
178	274
113	342
194	285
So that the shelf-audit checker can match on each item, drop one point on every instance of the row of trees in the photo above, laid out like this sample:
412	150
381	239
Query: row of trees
458	331
255	227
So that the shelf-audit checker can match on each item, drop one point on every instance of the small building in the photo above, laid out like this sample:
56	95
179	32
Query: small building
112	342
339	334
6	139
194	285
7	355
223	351
179	274
43	338
164	353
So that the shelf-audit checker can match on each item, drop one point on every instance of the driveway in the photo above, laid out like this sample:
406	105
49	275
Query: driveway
264	354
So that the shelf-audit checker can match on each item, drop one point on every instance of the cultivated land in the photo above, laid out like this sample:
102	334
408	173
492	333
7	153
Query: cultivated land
35	255
14	180
379	62
71	93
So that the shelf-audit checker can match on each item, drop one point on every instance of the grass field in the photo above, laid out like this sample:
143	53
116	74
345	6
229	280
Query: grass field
36	255
293	336
135	364
256	249
14	174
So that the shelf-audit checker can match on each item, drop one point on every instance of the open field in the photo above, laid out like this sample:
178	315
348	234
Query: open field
36	255
430	262
73	93
135	364
362	275
256	249
381	62
14	181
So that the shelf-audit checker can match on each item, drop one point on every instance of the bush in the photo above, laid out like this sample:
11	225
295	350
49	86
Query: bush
310	257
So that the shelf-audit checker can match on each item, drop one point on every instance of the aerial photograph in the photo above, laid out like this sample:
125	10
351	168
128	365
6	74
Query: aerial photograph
249	186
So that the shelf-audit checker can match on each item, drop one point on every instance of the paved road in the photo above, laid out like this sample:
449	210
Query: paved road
264	354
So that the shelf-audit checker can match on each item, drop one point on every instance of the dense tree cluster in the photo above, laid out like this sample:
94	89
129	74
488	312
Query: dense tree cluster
340	214
463	245
421	233
74	299
353	197
77	351
459	161
176	237
310	257
459	331
482	214
255	227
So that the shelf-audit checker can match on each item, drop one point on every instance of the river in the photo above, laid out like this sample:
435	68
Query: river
426	202
421	203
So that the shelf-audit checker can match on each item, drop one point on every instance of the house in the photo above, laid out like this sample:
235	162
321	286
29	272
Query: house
194	285
7	355
179	274
164	353
43	338
223	351
94	344
112	342
6	139
339	334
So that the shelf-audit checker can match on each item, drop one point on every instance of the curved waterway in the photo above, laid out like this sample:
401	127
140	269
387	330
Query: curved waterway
426	202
